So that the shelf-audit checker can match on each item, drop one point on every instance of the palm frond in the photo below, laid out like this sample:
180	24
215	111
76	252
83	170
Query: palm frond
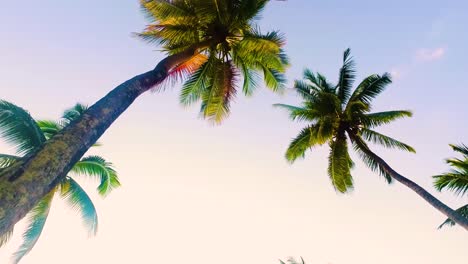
461	148
455	180
361	148
49	127
162	10
98	167
347	77
18	128
306	139
449	222
5	237
37	219
197	83
381	118
217	99
78	200
73	113
299	113
370	87
8	160
386	141
339	165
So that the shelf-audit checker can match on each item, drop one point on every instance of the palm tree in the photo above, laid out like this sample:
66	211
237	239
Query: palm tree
336	115
455	180
293	261
213	44
27	135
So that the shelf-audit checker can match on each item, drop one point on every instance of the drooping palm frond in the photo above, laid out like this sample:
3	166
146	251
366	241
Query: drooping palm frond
18	128
98	167
37	219
347	77
339	165
8	160
371	162
49	127
449	222
217	97
78	200
198	82
377	119
5	237
306	139
386	141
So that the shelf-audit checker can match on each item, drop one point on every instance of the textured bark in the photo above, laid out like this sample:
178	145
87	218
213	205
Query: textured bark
25	183
436	203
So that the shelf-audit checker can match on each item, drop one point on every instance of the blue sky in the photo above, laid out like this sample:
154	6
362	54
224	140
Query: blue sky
202	194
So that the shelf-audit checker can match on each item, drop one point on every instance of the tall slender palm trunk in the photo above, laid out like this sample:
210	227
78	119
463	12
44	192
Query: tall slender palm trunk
436	203
25	183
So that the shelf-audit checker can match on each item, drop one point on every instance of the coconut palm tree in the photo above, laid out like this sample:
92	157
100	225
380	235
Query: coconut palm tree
28	135
455	180
338	115
216	45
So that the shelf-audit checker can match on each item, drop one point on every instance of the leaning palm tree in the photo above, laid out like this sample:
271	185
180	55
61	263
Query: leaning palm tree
215	45
26	135
337	115
455	180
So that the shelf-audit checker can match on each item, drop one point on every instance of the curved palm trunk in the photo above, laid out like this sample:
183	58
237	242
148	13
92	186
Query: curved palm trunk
436	203
25	183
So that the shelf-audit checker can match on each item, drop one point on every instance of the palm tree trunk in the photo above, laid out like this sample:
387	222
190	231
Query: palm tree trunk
25	183
436	203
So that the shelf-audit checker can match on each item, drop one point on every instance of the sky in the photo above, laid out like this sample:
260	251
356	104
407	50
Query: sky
197	193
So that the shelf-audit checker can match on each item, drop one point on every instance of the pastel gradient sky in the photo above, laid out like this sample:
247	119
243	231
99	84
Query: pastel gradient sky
197	193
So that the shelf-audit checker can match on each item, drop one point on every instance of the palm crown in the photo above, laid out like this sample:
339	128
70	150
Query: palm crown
18	128
456	179
231	47
337	114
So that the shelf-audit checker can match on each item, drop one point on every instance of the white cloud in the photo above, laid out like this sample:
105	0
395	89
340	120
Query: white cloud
425	55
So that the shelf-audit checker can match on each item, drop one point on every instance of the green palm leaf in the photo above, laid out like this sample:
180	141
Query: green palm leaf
217	98
197	83
299	113
99	167
455	180
307	138
347	76
462	148
78	200
369	160
8	160
449	222
370	87
385	141
37	219
339	165
5	237
49	127
18	128
73	113
381	118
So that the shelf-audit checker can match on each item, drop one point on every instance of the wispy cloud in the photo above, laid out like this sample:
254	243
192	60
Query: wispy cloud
425	55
